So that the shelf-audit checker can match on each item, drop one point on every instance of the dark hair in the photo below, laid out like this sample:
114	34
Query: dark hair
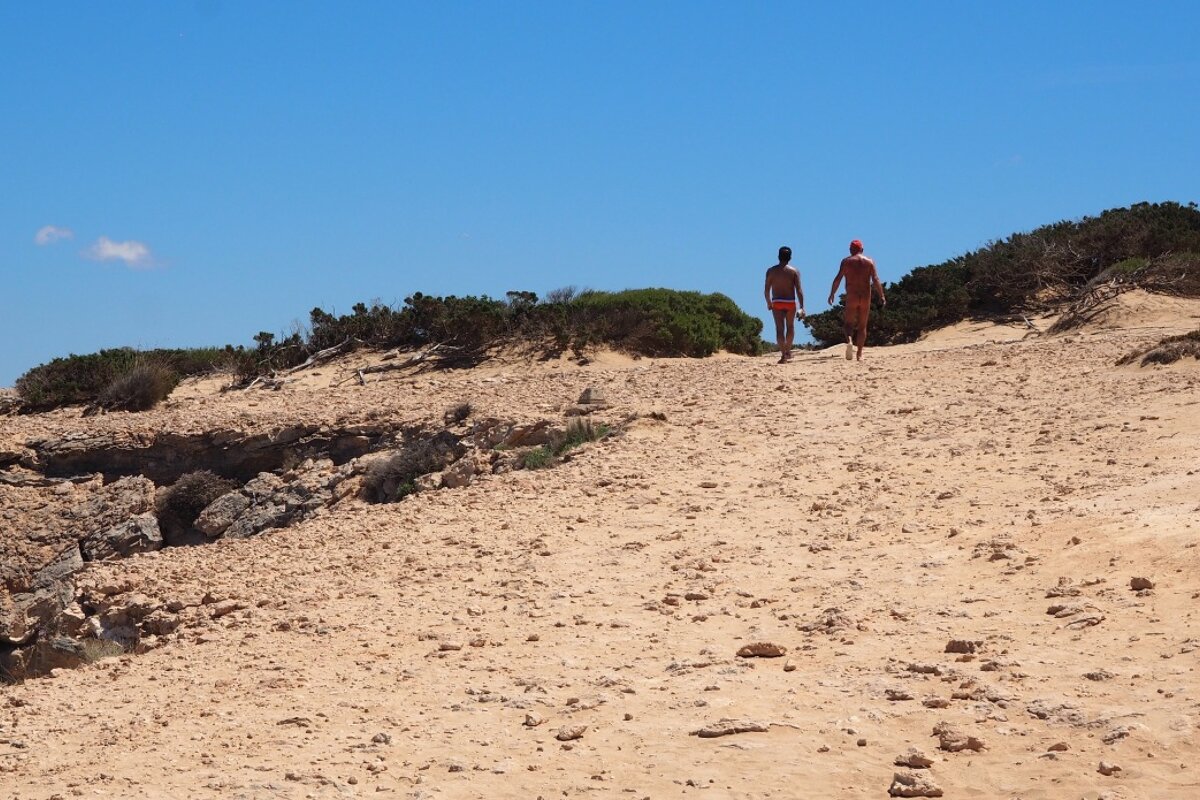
785	254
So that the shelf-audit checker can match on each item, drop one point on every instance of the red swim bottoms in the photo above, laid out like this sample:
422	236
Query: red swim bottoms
783	305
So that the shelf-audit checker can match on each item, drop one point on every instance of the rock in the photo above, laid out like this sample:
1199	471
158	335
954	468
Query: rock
225	607
831	621
160	622
1140	585
1116	734
913	758
592	396
963	646
1108	768
898	694
1099	675
1058	747
935	702
912	784
952	739
533	720
138	534
569	733
382	738
789	666
462	472
216	518
258	518
762	650
728	727
1058	712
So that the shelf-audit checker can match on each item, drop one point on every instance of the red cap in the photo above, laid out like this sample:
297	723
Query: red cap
856	246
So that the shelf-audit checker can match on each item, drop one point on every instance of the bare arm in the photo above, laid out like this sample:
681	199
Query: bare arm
800	294
836	282
877	285
767	290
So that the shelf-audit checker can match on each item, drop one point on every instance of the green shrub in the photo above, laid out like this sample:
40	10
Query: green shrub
80	380
179	505
537	458
1156	243
579	431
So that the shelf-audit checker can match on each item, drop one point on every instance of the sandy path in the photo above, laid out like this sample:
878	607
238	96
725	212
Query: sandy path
933	494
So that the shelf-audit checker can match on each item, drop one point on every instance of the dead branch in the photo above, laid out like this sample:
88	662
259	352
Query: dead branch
437	351
321	356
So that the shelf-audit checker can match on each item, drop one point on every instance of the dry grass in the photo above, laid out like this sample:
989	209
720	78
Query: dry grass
1168	351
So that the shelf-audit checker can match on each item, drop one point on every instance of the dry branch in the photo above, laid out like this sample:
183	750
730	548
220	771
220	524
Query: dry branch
321	356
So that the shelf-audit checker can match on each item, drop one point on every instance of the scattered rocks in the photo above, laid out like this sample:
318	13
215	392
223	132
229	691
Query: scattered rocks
728	727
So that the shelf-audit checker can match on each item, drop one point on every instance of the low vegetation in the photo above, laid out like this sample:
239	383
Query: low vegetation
141	387
1167	351
179	505
395	477
122	376
1153	246
579	431
463	331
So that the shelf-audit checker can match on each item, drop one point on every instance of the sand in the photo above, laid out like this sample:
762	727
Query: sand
565	632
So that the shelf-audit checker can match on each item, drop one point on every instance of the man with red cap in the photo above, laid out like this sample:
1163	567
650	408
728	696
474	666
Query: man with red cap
861	279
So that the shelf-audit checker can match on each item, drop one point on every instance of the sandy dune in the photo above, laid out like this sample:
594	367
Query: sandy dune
864	517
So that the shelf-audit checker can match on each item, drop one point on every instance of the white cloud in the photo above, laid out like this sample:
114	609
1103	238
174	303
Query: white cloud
134	254
49	234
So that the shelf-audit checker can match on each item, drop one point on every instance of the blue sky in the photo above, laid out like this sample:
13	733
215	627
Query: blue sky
189	173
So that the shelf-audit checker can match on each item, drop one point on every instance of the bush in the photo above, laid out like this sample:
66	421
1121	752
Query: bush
140	388
179	505
80	380
579	431
456	414
1154	244
391	479
537	458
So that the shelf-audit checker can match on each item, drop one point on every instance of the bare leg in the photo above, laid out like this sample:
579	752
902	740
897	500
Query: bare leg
790	336
848	326
783	341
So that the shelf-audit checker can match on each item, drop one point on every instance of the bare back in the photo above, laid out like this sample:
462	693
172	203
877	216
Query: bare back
783	280
860	274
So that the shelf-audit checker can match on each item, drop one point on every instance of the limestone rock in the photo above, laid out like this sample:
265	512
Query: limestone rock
912	784
221	513
952	739
728	727
913	758
138	534
762	650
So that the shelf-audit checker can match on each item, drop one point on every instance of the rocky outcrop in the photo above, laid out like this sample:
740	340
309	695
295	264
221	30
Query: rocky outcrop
163	457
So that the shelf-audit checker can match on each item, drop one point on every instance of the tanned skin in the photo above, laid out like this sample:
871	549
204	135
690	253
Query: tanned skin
861	279
785	298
